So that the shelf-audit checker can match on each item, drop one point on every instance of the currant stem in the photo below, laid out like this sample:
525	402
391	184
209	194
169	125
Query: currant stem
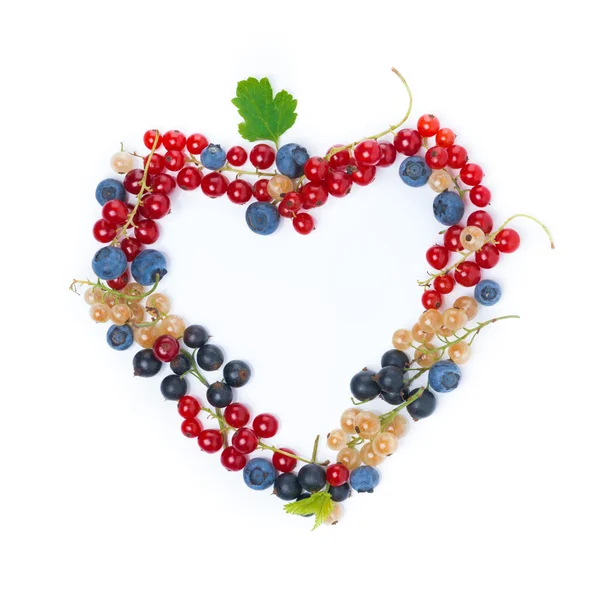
227	167
110	291
315	449
194	369
223	427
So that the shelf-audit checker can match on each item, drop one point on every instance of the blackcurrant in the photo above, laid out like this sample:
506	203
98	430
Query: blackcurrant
173	387
145	364
390	379
181	364
312	477
195	336
395	358
209	357
237	373
395	398
219	394
287	486
423	406
363	387
339	493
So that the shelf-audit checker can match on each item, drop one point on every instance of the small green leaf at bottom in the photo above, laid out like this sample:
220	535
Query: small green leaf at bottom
319	504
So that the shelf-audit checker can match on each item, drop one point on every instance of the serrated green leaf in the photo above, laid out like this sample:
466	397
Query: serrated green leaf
320	505
265	117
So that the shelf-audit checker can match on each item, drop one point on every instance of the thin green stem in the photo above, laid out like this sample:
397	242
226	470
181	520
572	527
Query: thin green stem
315	449
194	369
110	292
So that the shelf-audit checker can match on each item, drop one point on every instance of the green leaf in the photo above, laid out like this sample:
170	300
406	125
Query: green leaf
320	505
265	117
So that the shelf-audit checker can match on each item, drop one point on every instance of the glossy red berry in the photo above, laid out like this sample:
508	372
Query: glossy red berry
147	231
232	459
290	205
132	247
436	157
155	163
452	238
339	159
210	440
467	274
262	156
337	474
339	184
155	206
133	181
189	178
428	125
165	348
480	196
260	190
236	415
316	169
104	231
173	140
457	157
265	425
119	283
444	284
283	463
481	219
115	212
508	240
367	152
191	428
488	256
408	141
363	175
214	184
196	143
388	154
303	223
150	138
314	194
188	407
163	183
174	160
445	137
244	440
236	156
471	174
239	191
437	257
431	299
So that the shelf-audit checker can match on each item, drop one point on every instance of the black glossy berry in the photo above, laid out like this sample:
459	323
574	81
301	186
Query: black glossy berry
390	379
339	493
395	358
219	394
173	387
181	364
287	486
237	373
395	399
363	387
195	336
209	357
423	406
304	496
145	364
312	477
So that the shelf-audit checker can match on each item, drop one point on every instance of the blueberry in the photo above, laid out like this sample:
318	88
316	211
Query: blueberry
312	477
209	357
339	493
287	486
259	474
364	479
219	394
291	159
444	376
213	157
109	263
262	218
304	496
173	387
109	189
181	364
395	398
423	406
448	208
395	358
147	265
363	387
195	336
488	292
414	171
237	373
119	337
390	379
145	364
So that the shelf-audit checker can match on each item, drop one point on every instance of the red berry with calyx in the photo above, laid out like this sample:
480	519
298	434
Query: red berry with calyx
339	159
444	284
339	184
367	152
155	163
337	474
265	425
147	231
150	138
452	238
445	137
131	247
260	190
508	240
316	168
214	184
119	283
173	140
481	219
262	156
364	174
314	194
115	212
471	174
388	154
428	125
196	143
480	195
191	428
290	205
174	160
155	206
210	440
303	223
283	463
244	440
457	157
236	156
408	142
488	256
133	181
232	459
236	415
104	231
163	183
436	157
437	257
467	274
189	178
165	348
188	407
431	299
239	191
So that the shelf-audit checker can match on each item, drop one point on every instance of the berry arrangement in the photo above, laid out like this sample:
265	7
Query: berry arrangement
287	182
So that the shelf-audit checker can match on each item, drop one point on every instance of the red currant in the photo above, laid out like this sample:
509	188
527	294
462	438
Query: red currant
337	474
303	223
339	159
339	184
244	440
132	247
428	125
508	240
188	407
444	284
437	257
191	428
467	274
367	152
388	154
488	256
283	463
155	163
237	156
163	183
174	160
452	238
233	460
260	190
457	157
239	191
316	169
115	212
436	157
174	140
119	283
364	174
431	299
314	194
480	195
471	174
265	425
165	348
445	137
133	181
155	206
147	231
150	138
104	231
196	143
292	201
210	440
236	415
408	141
214	184
189	178
481	219
262	156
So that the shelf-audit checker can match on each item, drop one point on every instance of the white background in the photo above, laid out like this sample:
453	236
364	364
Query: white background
495	496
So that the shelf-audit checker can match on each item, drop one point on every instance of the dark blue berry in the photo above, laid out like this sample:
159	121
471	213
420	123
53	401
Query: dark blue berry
173	387
339	493
363	387
119	337
145	364
287	487
390	379
109	263
423	406
487	292
237	373
262	218
444	376
364	479
219	394
147	265
291	159
414	171
448	208
109	189
181	364
397	398
195	336
213	157
210	357
312	477
395	358
259	474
